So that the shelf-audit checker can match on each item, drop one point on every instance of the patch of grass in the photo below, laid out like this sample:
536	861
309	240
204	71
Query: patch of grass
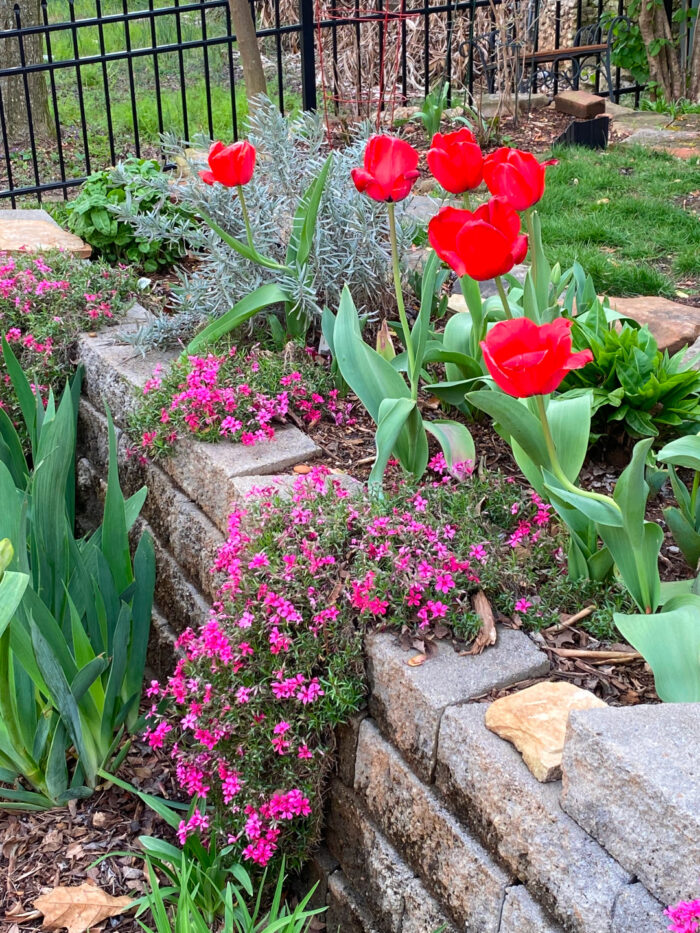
616	212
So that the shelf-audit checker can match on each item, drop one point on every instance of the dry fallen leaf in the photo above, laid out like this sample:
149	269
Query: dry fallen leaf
78	909
417	660
302	469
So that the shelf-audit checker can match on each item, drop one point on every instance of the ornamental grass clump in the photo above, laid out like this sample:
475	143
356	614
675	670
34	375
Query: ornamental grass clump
249	710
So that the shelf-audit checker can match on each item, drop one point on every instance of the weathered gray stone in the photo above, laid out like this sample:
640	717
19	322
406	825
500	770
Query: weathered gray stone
485	780
522	914
453	866
161	646
393	893
207	473
346	737
408	702
631	781
315	874
637	910
181	527
346	913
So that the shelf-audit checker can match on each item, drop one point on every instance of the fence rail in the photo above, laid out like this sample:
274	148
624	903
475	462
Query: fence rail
93	80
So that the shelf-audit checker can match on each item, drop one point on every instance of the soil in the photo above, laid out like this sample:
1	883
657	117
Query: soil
39	851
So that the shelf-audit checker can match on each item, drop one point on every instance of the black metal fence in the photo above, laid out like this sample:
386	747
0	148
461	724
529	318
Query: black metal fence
95	80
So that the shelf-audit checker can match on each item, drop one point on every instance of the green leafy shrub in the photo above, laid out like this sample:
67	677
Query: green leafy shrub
647	392
72	656
93	215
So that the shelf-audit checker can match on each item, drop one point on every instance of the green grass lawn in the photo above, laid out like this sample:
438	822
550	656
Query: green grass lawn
620	214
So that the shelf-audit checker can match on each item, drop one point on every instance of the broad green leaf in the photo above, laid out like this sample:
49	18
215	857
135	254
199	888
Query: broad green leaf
419	333
631	492
393	414
516	420
637	561
256	301
669	641
595	509
12	587
685	535
115	538
304	224
246	251
13	455
456	442
23	390
683	452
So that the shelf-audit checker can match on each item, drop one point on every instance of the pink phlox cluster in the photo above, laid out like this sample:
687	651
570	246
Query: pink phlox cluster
684	917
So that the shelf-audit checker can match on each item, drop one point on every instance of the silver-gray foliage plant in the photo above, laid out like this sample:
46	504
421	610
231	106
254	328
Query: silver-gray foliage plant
351	240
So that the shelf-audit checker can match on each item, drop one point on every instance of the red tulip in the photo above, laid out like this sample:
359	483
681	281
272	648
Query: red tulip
516	176
230	165
526	359
456	161
390	168
482	244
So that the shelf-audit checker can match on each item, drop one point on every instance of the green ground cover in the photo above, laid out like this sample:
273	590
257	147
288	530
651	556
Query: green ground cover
629	215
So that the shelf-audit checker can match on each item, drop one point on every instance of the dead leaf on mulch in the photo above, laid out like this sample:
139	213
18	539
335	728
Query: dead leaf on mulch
78	909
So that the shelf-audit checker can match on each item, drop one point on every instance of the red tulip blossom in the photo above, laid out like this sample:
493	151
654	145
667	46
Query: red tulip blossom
482	244
230	165
516	176
456	161
390	169
527	359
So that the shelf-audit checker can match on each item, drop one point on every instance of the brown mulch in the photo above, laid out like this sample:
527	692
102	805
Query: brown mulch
41	850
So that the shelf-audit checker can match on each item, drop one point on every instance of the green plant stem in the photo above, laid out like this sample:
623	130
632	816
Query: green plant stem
694	493
531	243
504	298
467	201
556	465
412	374
246	217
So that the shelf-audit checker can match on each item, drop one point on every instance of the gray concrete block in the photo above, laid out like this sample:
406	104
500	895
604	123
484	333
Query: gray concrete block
522	914
453	866
408	702
346	913
630	778
487	784
637	910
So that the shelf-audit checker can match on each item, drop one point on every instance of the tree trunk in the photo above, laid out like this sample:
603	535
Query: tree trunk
664	67
694	67
16	106
244	27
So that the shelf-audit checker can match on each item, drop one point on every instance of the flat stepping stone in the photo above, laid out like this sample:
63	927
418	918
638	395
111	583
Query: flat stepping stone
35	231
673	325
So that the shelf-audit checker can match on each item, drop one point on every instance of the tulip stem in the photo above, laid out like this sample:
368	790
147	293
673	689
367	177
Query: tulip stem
467	201
556	465
531	243
504	298
412	374
246	218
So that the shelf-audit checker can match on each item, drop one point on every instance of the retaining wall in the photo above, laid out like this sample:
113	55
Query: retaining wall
432	820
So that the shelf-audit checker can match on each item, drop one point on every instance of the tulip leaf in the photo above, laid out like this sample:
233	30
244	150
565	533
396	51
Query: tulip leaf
597	510
243	249
419	333
637	561
454	393
684	534
373	380
12	587
304	224
669	641
456	442
515	420
393	414
253	303
683	452
631	493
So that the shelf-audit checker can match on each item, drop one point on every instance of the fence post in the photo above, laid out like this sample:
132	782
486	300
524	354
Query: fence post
308	54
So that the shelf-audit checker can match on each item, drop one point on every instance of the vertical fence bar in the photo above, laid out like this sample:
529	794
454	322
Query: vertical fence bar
618	74
598	56
381	25
308	55
132	83
470	63
6	152
334	40
358	55
278	54
205	60
557	41
54	95
448	55
105	82
535	44
156	67
231	72
181	62
404	54
79	82
426	48
27	98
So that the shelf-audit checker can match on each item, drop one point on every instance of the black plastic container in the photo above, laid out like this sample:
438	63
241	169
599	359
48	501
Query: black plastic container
593	134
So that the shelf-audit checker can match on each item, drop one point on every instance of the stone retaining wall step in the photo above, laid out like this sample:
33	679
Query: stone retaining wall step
522	914
346	913
452	865
33	231
408	702
485	781
631	781
398	901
